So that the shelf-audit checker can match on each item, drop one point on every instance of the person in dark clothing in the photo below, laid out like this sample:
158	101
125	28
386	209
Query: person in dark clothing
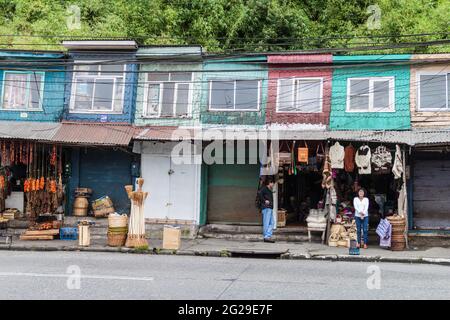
266	194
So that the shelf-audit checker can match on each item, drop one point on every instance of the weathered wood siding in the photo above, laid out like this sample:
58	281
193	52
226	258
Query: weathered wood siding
420	118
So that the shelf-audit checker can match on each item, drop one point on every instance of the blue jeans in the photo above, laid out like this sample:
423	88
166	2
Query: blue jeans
268	223
362	225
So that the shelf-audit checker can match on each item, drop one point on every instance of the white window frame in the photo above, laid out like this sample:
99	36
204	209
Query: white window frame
447	91
296	103
41	90
73	92
258	106
391	80
147	83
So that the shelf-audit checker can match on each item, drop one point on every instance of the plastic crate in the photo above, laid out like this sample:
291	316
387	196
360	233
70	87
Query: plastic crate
68	233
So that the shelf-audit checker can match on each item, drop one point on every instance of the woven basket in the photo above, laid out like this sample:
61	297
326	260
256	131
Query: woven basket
117	221
337	228
116	240
343	243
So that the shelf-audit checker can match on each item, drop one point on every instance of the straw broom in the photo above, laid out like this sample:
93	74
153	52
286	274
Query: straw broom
136	230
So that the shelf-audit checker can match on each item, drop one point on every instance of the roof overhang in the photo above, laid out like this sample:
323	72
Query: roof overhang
100	45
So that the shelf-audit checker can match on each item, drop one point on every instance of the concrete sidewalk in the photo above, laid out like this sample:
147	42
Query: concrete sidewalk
230	248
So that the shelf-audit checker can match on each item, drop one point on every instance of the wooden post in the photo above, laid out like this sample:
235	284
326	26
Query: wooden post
406	197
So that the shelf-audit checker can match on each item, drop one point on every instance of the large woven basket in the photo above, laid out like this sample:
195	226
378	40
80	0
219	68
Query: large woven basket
117	221
117	240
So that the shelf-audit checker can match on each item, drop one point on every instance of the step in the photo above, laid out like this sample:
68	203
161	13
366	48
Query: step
250	229
257	237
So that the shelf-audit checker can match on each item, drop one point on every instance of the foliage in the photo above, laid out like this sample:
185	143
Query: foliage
227	25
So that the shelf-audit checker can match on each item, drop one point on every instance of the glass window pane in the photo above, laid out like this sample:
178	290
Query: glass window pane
158	76
35	91
432	92
182	99
308	95
103	94
222	95
247	94
118	95
83	94
286	95
359	94
15	93
111	69
381	95
181	76
167	99
152	99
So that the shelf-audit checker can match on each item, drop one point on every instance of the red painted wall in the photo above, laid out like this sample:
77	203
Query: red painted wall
292	62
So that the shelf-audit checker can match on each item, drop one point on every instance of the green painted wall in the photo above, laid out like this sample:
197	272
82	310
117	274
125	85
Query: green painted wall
400	119
234	69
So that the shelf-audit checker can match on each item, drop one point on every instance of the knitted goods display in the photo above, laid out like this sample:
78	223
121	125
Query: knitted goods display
363	160
337	156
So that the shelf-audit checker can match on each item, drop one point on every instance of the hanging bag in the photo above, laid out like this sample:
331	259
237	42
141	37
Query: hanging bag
302	154
283	157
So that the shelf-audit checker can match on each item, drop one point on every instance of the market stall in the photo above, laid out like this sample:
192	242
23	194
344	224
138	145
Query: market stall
31	186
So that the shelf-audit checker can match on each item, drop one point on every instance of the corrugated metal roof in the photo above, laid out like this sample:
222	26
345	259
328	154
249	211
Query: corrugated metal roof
28	130
431	136
94	134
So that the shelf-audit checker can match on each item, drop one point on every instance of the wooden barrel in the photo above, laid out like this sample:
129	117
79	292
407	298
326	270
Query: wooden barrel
80	207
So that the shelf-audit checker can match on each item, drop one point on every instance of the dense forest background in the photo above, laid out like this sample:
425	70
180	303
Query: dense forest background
230	25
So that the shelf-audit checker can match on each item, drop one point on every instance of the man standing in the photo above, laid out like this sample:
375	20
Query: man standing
266	194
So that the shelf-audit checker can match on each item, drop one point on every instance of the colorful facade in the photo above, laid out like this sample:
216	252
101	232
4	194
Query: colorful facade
370	93
32	94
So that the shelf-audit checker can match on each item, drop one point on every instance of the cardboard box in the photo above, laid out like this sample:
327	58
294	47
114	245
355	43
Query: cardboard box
171	238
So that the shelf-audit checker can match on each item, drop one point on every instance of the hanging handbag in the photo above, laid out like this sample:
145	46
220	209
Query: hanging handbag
284	158
302	154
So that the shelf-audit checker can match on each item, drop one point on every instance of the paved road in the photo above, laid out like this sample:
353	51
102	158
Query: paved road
45	275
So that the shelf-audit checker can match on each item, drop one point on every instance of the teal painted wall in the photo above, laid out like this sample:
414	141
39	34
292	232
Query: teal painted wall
234	69
52	99
400	119
196	95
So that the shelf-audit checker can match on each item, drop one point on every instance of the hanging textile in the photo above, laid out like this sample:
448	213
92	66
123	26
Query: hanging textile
401	202
337	156
381	160
397	168
326	173
362	160
384	231
349	158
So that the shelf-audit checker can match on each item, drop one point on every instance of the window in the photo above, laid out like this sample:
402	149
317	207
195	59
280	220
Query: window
370	94
433	92
168	94
98	88
234	95
22	90
300	95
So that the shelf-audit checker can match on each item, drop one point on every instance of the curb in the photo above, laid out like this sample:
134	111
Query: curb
226	254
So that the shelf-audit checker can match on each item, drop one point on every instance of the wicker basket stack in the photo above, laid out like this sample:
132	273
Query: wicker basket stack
117	230
398	240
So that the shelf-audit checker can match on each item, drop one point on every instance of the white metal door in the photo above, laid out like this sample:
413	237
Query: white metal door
182	191
155	171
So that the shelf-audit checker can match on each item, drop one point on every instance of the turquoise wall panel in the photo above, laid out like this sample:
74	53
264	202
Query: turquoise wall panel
399	119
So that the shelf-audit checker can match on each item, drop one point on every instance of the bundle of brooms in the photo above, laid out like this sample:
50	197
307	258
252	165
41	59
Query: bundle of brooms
136	228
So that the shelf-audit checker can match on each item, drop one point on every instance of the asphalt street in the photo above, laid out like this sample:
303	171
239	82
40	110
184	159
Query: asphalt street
78	275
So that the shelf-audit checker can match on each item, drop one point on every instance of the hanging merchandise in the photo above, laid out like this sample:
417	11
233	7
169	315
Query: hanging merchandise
283	157
327	180
302	154
381	160
337	156
362	160
292	165
349	158
397	168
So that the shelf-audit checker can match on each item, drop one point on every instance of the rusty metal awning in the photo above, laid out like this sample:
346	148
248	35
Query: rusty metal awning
28	130
101	134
